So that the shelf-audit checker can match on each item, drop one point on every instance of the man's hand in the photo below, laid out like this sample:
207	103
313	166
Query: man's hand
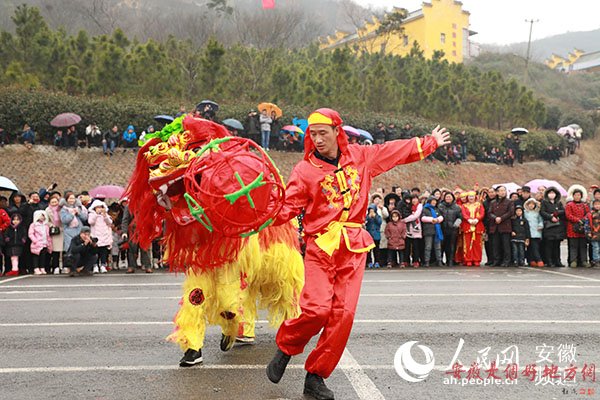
498	220
441	136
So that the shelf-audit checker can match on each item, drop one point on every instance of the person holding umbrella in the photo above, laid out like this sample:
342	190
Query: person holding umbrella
265	128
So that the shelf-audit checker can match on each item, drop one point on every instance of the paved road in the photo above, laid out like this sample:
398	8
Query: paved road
103	337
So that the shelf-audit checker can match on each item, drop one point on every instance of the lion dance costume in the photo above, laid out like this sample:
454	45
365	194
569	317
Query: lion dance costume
216	196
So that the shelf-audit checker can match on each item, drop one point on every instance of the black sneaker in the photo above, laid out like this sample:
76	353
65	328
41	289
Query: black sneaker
227	342
191	357
277	366
315	386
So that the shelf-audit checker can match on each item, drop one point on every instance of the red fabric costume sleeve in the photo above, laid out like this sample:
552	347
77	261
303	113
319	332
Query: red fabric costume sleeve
296	198
383	157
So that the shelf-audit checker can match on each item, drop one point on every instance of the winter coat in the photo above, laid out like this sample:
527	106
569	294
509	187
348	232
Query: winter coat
100	226
452	216
15	238
265	123
594	218
72	224
39	233
54	221
395	232
534	219
129	137
473	211
427	221
549	209
505	209
576	212
413	223
520	229
4	220
373	224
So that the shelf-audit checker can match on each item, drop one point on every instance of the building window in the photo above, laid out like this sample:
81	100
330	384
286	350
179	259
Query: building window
405	39
443	38
453	26
454	35
453	44
454	53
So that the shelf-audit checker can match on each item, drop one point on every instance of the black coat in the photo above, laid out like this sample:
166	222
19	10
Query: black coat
520	228
547	210
450	212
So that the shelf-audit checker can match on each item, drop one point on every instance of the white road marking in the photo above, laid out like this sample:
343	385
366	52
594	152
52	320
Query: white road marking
16	278
362	384
27	291
357	321
387	295
562	274
566	286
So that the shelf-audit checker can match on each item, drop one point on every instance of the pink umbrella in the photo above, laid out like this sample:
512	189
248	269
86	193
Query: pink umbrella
108	191
566	130
350	131
292	128
65	119
511	187
536	183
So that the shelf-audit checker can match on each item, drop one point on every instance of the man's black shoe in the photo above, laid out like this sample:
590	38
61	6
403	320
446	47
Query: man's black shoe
227	342
277	366
315	387
191	357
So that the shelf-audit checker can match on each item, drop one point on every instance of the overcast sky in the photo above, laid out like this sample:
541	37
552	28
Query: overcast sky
503	21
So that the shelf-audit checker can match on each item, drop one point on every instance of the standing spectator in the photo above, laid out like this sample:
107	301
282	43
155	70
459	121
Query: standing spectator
373	226
15	238
395	233
73	217
28	136
462	140
517	149
536	225
128	233
594	235
472	227
59	140
18	204
452	215
414	235
519	237
406	132
432	231
500	228
275	128
391	132
252	126
3	137
553	214
380	133
81	256
4	224
100	224
129	139
265	128
41	243
577	212
56	232
110	140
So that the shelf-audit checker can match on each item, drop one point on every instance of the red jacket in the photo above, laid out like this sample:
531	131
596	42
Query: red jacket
4	220
472	211
314	186
395	232
575	212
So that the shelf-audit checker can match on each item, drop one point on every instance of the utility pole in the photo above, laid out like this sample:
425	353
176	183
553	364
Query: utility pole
531	22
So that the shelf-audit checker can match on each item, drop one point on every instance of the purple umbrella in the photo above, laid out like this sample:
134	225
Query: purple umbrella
536	183
350	131
65	119
108	192
566	130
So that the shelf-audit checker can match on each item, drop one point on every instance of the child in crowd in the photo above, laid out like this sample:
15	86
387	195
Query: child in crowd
519	237
373	226
536	225
432	231
41	242
100	224
414	236
594	235
115	250
15	238
395	232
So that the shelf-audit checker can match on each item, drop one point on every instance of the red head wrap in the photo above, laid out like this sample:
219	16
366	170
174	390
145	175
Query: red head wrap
325	116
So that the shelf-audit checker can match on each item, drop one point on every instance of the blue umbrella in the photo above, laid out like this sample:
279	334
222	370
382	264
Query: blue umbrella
301	123
364	134
164	119
233	124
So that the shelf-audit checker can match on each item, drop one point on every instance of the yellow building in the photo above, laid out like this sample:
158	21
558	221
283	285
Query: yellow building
441	25
564	63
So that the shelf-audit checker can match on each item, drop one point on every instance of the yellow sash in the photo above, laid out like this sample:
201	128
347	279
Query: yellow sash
330	240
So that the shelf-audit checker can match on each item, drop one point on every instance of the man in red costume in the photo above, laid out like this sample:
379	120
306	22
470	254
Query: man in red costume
331	184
